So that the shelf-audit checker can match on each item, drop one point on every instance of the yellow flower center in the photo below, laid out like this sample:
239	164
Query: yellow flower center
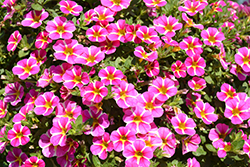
211	39
18	135
235	111
27	69
144	55
192	9
146	36
97	91
169	28
91	59
96	34
227	148
36	19
105	144
230	93
197	86
138	154
121	32
163	90
69	8
123	94
182	126
60	29
147	142
48	104
203	114
194	64
110	77
78	79
102	17
191	46
149	106
246	60
123	138
116	2
69	114
68	51
137	118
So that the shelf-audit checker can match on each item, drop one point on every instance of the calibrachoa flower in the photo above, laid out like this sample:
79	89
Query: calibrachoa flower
22	114
109	47
46	78
141	53
242	58
168	141
74	77
59	129
190	22
139	120
191	45
25	68
89	16
103	14
131	33
122	137
14	39
155	3
95	91
238	71
70	7
39	56
110	76
163	88
167	25
13	93
34	18
192	7
65	160
42	40
67	50
97	33
183	125
179	69
101	145
227	92
16	157
205	111
46	103
197	84
246	147
60	28
148	35
117	31
152	68
116	5
237	111
68	109
3	108
19	135
125	94
224	147
190	143
59	71
195	65
34	162
138	153
192	162
212	36
3	144
100	122
90	56
215	6
218	134
148	102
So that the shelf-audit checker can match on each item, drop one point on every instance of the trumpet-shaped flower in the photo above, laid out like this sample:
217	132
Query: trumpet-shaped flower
183	125
190	22
238	71
191	45
42	40
19	135
46	78
117	31
97	33
13	40
168	141
192	162
34	18
195	65
103	14
110	76
46	103
109	47
212	36
3	108
34	162
89	16
227	93
60	28
246	147
242	58
141	53
138	154
16	157
39	56
155	3
179	69
70	7
101	145
65	160
3	144
192	7
197	84
148	35
21	116
206	112
14	93
224	147
152	68
116	5
25	68
59	71
68	109
95	92
190	143
131	33
215	6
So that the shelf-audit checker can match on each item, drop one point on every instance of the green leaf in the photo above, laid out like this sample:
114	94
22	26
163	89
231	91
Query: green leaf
22	53
210	147
78	120
96	161
200	151
237	145
36	6
208	79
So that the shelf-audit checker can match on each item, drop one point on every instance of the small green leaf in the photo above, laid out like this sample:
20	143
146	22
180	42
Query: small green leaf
200	151
237	145
210	147
79	120
36	6
96	161
22	53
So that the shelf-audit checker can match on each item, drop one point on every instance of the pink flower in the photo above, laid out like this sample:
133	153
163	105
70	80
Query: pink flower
3	108
124	94
22	114
89	16
19	135
25	68
101	145
237	111
90	56
183	125
191	45
246	147
148	35
74	77
218	134
141	53
148	102
103	14
70	7
190	22
212	36
179	69
117	31
190	101
242	58
13	40
121	138
110	76
65	160
34	161
65	93
59	129
224	147
46	103
192	162
227	92
16	157
197	84
215	6
139	120
39	56
3	144
46	78
195	65
116	5
168	141
68	109
100	122
152	140
14	93
138	153
190	143
95	92
97	33
60	28
34	18
155	3
109	47
42	40
59	71
238	71
163	88
206	112
131	33
192	7
30	98
152	68
167	25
